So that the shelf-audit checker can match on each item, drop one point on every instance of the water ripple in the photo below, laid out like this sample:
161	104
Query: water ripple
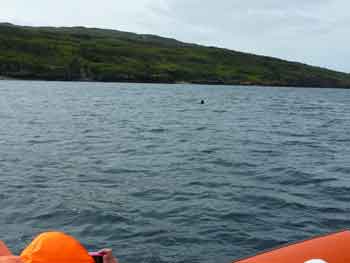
148	171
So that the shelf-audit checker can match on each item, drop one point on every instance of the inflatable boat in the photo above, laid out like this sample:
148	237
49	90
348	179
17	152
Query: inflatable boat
332	248
60	248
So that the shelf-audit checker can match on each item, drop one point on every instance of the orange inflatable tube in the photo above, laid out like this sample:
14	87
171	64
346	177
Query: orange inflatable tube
56	247
333	248
50	247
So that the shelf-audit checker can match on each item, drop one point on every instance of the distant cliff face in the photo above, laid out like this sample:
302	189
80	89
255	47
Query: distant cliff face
80	53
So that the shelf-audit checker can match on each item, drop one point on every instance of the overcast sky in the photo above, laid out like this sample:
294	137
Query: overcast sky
316	32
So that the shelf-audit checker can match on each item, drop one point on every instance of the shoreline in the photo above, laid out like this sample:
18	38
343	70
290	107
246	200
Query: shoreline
208	83
6	78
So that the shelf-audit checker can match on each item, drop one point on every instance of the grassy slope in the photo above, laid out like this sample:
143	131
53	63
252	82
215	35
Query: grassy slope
79	53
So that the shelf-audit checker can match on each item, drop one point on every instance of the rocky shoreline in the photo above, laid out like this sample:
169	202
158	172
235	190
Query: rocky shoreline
203	82
5	78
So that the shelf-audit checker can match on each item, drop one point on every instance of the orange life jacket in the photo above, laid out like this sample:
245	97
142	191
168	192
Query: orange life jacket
50	247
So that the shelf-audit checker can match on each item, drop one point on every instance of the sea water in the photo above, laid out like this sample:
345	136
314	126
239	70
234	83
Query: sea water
149	171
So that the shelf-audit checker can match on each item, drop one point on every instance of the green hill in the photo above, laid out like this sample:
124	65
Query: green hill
78	53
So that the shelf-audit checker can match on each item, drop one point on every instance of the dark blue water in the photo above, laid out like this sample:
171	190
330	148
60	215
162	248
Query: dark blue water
152	173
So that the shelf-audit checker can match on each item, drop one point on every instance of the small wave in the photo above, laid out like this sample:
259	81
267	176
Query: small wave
122	171
184	110
331	123
207	184
87	131
210	151
151	194
277	169
343	140
183	196
33	142
128	151
219	111
305	181
344	170
332	210
159	130
335	223
296	177
271	153
238	217
236	164
292	134
340	193
261	244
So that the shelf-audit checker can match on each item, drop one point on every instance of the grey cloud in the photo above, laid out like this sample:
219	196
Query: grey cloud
296	30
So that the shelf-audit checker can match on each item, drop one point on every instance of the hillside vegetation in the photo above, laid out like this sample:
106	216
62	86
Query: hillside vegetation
79	53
